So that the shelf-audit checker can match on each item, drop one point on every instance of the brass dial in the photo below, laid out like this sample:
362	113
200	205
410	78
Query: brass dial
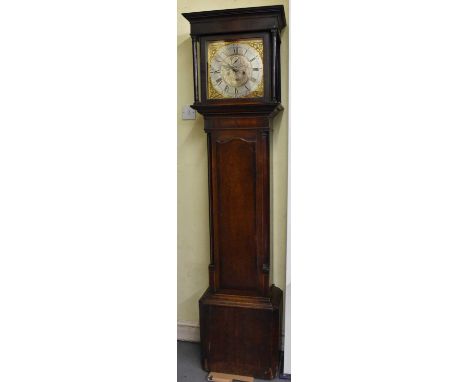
235	69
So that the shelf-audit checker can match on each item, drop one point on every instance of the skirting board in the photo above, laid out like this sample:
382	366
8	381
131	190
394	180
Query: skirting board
190	331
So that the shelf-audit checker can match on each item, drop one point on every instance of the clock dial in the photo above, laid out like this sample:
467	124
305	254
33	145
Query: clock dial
235	69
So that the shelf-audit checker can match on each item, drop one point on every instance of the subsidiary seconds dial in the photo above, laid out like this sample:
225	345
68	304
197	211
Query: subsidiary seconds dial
236	70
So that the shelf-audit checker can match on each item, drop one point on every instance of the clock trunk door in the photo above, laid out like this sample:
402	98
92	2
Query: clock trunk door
239	194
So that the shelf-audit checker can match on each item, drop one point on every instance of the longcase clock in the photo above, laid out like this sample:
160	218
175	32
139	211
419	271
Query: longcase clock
237	88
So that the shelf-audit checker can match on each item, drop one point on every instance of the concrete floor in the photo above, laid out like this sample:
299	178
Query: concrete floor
189	366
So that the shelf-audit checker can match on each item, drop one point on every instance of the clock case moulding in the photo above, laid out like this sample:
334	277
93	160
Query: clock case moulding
240	312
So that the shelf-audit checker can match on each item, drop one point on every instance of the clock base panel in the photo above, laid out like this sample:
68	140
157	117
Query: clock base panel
241	334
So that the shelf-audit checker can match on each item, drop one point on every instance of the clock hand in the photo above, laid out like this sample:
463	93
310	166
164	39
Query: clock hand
232	68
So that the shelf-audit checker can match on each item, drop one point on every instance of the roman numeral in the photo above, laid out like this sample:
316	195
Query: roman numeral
226	89
253	59
247	87
219	80
255	69
235	49
236	92
214	71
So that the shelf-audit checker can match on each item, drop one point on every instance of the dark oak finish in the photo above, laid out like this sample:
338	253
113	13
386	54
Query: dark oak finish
239	164
274	76
241	335
195	68
236	20
240	313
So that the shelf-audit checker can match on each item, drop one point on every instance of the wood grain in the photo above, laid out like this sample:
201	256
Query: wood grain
240	313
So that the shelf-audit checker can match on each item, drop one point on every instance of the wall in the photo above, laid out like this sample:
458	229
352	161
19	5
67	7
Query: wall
192	176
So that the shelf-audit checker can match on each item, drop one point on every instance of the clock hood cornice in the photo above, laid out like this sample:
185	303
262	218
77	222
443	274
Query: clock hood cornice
236	20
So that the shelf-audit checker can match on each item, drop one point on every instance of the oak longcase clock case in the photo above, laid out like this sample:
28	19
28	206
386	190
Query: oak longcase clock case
237	89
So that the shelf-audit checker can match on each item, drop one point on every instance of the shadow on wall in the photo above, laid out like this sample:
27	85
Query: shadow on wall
184	42
184	58
188	302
